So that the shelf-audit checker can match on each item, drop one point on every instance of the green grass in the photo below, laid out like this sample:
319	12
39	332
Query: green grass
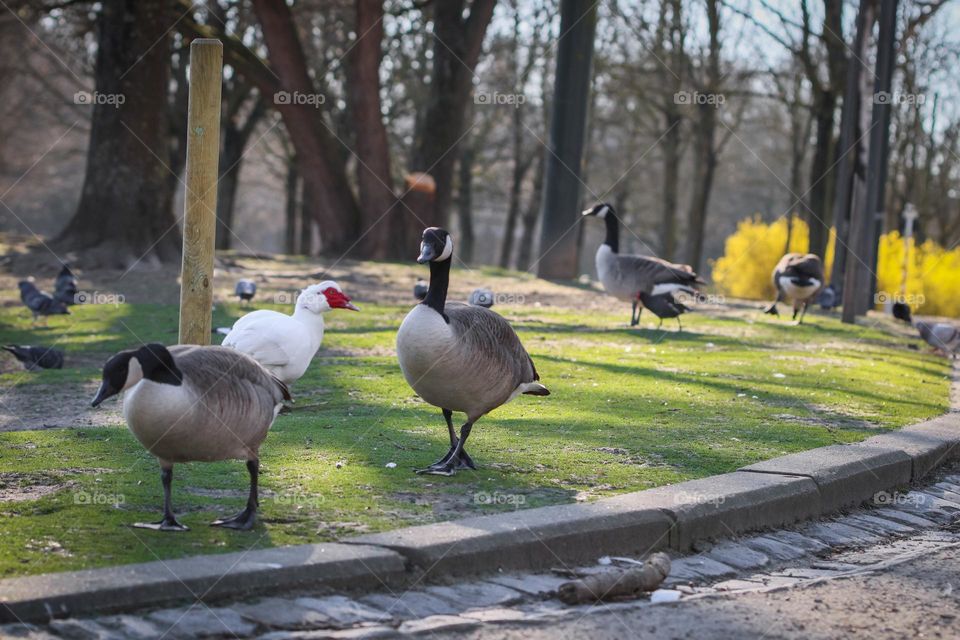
631	409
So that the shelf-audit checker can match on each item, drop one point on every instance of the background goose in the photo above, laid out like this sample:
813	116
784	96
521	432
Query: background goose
460	357
39	302
190	403
34	358
634	278
797	279
943	337
284	344
245	290
65	287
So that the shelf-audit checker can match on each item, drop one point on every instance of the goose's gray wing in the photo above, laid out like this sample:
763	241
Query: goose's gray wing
490	344
233	387
648	271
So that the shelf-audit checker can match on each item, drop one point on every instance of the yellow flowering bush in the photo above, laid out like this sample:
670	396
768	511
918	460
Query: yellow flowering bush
752	251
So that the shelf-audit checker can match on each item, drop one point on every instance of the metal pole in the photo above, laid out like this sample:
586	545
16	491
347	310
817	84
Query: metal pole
200	205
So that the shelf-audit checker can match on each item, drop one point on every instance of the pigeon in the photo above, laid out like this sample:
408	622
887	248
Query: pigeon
34	358
40	303
245	290
420	289
901	311
943	337
65	287
481	298
828	298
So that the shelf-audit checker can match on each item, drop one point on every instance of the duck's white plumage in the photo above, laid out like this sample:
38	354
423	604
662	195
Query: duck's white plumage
284	345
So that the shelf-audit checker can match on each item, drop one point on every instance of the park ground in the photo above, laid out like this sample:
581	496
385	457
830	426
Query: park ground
630	409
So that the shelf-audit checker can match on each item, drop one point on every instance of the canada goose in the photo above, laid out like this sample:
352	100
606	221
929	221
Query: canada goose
39	302
34	358
460	357
420	289
633	278
195	404
245	290
284	344
65	287
481	298
797	279
943	337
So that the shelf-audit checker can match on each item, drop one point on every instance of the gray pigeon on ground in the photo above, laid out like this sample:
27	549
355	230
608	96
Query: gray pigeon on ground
65	287
34	358
481	298
245	290
39	302
420	289
941	336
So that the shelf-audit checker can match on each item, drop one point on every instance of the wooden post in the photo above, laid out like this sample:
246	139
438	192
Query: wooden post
200	204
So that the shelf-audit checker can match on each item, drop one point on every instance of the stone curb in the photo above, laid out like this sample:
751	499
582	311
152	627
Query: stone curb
767	494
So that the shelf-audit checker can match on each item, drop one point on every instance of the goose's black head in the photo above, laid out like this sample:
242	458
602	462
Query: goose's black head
436	245
127	368
600	210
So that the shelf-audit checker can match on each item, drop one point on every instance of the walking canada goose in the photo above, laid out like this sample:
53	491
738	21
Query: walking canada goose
284	344
65	286
644	280
195	404
245	290
943	337
34	358
460	357
39	302
797	279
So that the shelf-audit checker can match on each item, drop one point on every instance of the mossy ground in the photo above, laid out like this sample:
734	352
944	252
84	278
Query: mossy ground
630	409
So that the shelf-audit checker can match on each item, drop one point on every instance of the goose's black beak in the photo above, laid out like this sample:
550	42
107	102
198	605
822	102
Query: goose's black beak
426	253
105	391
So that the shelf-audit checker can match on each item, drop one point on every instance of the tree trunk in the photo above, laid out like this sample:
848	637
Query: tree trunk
378	203
671	173
321	167
520	167
529	222
561	202
291	188
235	138
125	212
705	159
457	46
465	203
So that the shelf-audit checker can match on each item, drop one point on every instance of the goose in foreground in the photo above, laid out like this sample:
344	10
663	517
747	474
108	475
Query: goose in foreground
636	278
195	404
245	290
284	344
459	357
39	302
65	287
943	337
34	358
797	279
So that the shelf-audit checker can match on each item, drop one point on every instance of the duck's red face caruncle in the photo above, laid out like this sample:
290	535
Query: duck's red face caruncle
338	299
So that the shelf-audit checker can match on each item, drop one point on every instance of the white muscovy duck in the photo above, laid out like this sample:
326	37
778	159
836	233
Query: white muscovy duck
284	345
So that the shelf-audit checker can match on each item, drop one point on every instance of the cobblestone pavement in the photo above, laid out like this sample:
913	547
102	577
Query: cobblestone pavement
891	570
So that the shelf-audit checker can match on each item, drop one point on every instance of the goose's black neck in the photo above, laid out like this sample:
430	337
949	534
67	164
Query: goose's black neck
439	281
613	231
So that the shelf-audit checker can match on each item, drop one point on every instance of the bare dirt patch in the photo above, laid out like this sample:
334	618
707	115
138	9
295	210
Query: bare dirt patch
45	406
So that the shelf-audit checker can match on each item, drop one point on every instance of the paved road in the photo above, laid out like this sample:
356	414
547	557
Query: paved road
915	598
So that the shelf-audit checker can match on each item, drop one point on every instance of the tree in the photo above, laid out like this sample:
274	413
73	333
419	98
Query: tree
125	211
561	202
